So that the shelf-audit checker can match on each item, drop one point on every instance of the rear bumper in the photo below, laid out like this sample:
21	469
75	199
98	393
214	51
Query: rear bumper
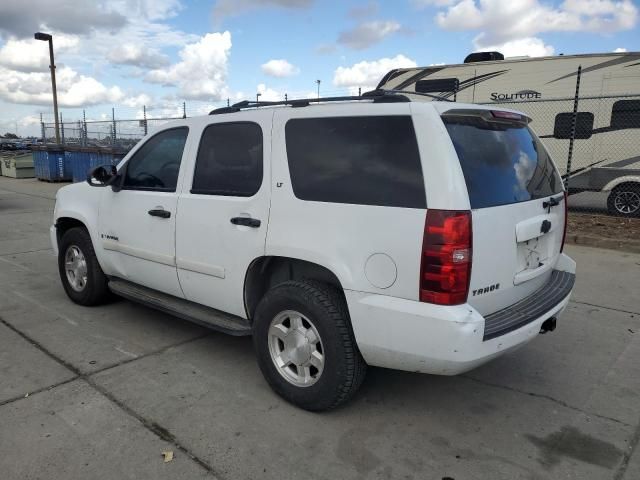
420	337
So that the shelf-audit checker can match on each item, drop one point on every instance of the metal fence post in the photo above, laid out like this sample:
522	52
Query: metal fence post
144	115
84	129
61	129
113	119
573	126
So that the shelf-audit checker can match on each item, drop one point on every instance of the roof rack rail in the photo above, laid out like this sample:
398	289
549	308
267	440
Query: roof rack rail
378	96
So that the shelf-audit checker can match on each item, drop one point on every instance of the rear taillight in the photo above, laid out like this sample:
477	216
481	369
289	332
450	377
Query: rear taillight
566	220
445	269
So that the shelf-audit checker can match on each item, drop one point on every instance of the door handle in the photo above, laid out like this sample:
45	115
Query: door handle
159	212
246	221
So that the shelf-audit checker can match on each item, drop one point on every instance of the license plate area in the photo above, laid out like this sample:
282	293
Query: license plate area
533	253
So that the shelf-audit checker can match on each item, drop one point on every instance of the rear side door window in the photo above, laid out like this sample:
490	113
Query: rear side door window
155	166
229	160
372	160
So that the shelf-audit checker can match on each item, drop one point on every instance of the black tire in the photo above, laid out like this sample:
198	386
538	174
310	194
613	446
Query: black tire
626	194
344	368
95	291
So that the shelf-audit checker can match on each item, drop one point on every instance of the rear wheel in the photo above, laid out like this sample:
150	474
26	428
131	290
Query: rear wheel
80	273
305	347
624	200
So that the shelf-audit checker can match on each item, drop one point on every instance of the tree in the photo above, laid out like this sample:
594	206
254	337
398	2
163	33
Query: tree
10	135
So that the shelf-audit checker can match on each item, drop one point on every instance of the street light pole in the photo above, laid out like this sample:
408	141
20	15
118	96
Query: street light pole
45	37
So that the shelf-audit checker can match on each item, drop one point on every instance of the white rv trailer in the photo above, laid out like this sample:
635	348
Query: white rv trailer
606	151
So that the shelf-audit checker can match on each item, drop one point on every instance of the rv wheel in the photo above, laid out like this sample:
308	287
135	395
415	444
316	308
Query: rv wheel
624	200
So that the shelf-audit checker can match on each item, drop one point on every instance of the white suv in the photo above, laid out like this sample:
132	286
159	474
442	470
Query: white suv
379	230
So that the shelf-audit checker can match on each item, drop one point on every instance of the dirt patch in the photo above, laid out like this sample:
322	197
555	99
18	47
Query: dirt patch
604	231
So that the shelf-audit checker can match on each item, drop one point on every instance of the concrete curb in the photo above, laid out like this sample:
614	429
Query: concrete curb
602	242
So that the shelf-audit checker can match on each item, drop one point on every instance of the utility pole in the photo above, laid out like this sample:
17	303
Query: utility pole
45	37
318	82
184	109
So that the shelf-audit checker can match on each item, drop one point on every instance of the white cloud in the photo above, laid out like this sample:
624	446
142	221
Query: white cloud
268	94
530	46
420	4
201	72
368	33
363	11
503	20
620	50
137	55
368	74
21	18
325	48
33	55
279	68
74	89
225	8
138	101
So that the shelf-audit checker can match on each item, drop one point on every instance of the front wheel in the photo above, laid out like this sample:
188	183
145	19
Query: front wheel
305	346
80	273
624	200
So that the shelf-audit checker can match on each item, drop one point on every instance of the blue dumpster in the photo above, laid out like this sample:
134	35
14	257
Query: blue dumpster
85	159
50	163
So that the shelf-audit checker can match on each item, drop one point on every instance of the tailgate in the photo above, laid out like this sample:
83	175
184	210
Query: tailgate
515	248
517	202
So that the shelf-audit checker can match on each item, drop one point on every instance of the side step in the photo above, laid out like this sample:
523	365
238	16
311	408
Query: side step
178	307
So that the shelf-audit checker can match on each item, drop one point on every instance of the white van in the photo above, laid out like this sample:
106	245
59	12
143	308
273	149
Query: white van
359	231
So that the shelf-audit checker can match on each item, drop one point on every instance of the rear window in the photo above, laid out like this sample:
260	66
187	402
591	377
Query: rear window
371	160
502	162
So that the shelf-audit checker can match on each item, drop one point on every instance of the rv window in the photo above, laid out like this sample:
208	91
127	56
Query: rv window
626	114
584	125
437	86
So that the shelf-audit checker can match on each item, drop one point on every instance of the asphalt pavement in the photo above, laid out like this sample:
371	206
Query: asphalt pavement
102	392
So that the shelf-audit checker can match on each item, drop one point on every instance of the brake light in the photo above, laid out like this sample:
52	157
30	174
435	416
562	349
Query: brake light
506	115
566	220
445	268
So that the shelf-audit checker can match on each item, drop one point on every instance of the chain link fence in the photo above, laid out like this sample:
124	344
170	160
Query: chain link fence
595	141
121	133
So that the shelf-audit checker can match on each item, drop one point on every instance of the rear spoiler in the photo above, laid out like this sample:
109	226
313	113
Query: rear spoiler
485	118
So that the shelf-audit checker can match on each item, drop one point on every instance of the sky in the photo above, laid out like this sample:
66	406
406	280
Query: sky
124	54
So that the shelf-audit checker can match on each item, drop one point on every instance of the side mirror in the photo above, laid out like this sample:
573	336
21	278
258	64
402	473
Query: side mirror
102	175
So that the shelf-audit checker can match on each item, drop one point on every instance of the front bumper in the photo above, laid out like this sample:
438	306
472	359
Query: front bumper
446	340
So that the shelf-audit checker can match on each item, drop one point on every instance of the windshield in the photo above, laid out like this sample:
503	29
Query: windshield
503	163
